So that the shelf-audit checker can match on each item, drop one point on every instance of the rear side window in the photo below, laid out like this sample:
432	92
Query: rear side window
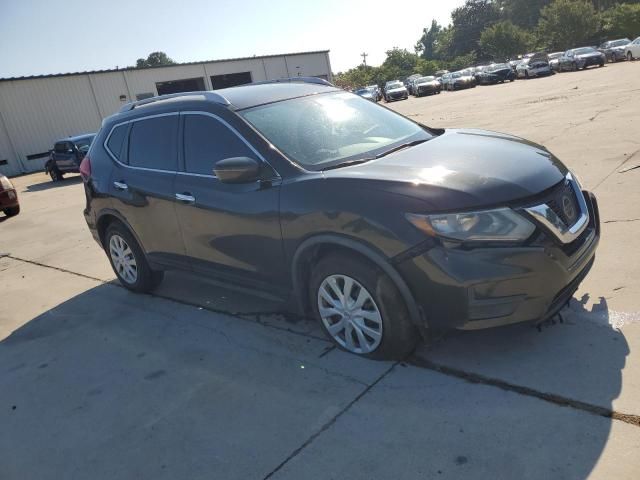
207	140
116	141
153	143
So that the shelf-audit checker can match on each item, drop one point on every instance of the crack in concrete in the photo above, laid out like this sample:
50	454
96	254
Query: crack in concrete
615	169
526	391
330	423
622	221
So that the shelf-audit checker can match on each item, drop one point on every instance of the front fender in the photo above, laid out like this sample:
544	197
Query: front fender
307	247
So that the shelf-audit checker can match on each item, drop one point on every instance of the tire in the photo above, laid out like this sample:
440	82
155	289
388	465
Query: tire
629	56
526	74
144	279
574	67
56	175
12	211
386	313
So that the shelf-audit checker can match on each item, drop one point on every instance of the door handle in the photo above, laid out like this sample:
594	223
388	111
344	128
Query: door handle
185	198
120	186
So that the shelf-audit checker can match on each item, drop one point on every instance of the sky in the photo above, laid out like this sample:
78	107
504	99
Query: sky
58	36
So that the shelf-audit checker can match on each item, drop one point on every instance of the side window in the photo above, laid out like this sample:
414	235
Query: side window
153	143
116	141
206	140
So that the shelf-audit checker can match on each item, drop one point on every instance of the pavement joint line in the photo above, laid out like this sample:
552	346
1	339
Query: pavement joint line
331	422
615	170
526	391
253	317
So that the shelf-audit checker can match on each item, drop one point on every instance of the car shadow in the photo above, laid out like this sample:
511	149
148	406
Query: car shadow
111	384
48	185
575	359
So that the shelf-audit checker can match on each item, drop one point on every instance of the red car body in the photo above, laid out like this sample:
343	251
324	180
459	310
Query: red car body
9	203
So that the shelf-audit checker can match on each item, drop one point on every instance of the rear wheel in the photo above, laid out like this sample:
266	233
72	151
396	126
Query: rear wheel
629	56
360	309
12	211
128	260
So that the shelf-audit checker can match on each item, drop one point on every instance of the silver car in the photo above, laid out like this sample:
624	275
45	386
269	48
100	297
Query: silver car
535	66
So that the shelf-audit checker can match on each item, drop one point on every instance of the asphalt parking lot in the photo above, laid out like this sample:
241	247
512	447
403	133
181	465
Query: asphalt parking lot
203	381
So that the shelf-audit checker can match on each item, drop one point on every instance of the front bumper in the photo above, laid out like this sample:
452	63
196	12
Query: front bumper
488	287
540	72
428	89
590	62
397	96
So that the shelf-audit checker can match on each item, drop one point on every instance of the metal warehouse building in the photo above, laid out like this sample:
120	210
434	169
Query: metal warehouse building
36	111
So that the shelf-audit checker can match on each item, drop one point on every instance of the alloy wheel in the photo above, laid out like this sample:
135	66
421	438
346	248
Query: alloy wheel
123	259
350	314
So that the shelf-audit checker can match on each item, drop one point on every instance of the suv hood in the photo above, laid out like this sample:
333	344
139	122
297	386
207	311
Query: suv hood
462	169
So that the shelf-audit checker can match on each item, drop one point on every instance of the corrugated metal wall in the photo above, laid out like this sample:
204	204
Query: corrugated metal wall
36	112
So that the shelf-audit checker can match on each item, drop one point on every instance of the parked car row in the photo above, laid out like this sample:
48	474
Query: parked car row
531	65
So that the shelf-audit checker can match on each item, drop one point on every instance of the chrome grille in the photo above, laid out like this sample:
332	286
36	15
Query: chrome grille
564	213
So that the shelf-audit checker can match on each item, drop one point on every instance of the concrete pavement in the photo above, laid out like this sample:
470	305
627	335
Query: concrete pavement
203	381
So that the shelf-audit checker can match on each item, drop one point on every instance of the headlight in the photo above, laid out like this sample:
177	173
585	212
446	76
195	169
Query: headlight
6	183
500	225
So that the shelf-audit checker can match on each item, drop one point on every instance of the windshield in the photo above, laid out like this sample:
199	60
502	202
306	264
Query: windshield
426	79
362	91
619	43
322	130
456	75
499	66
395	85
555	55
583	51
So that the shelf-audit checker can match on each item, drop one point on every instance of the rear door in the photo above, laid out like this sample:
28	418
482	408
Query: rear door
143	183
229	230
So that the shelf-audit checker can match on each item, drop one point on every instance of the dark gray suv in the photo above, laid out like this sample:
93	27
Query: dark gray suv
380	227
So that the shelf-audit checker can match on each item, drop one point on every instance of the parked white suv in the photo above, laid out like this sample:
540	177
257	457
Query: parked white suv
633	50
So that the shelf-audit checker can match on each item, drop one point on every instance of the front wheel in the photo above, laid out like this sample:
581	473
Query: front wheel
129	261
56	175
360	309
629	56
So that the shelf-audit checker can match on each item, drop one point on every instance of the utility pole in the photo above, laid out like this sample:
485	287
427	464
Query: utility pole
364	58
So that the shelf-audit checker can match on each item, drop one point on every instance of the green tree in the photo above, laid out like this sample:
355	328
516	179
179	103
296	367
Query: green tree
622	21
568	23
524	13
154	59
427	44
504	40
468	23
399	64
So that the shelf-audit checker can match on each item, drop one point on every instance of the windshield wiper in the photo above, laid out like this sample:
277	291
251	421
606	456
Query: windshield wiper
357	161
401	147
348	163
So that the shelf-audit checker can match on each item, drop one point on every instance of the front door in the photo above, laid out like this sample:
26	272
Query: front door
230	230
143	184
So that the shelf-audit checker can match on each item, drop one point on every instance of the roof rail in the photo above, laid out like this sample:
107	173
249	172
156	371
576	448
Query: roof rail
208	95
316	80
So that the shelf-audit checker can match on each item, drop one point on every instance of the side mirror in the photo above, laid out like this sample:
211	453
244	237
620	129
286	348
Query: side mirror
237	170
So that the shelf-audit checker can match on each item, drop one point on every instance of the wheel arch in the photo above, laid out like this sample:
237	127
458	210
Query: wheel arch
108	216
315	247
